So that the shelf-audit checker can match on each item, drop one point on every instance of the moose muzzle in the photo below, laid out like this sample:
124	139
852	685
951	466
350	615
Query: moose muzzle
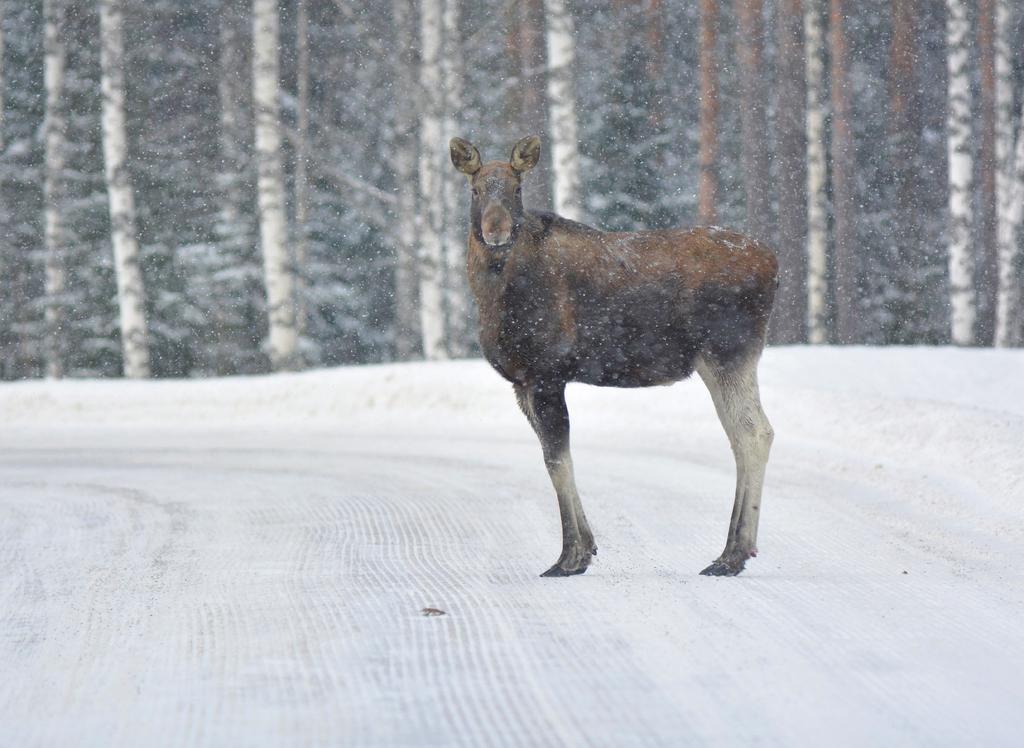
496	225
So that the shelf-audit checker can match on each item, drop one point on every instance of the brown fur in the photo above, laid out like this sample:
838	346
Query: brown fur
563	302
568	302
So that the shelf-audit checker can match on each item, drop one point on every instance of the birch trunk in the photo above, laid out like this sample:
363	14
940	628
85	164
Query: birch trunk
565	160
962	300
277	267
301	162
131	294
53	193
1009	321
985	274
754	117
791	184
707	195
1006	234
844	193
455	231
817	206
406	177
432	318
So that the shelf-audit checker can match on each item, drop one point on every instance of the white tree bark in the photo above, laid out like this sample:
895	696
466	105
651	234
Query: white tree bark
565	160
53	225
817	215
277	266
131	294
455	213
962	296
1009	321
432	149
1006	239
406	179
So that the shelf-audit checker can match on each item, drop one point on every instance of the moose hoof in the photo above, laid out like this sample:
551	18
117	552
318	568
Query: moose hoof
574	560
728	564
722	569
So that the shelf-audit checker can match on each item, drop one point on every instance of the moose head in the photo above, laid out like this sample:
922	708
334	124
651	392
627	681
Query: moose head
497	208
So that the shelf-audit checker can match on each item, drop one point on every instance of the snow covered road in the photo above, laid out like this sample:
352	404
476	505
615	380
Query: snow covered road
246	562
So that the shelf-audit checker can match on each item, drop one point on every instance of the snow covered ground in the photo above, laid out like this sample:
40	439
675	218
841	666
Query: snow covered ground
245	561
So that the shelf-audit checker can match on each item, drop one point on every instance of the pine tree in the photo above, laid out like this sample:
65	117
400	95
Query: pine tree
1008	282
3	14
708	193
627	163
985	268
847	267
528	98
906	236
790	313
754	117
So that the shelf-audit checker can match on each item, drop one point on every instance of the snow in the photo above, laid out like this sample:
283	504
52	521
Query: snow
246	561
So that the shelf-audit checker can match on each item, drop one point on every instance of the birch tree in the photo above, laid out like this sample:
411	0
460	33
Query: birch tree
753	116
277	266
53	193
817	206
131	295
1006	231
406	177
455	231
707	193
431	270
565	160
790	186
963	303
844	194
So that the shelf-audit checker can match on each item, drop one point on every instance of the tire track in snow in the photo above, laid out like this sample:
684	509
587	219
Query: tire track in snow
287	611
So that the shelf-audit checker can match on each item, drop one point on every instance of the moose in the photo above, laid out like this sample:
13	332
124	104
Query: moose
562	302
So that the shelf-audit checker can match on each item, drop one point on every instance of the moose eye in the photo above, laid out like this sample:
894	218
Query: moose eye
476	192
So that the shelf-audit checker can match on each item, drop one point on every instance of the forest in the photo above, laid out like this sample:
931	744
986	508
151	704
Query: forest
221	187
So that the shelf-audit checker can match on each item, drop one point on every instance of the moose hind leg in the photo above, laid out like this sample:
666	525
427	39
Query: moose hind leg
545	408
737	399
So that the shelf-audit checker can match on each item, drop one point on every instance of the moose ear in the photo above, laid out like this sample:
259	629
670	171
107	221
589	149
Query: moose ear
525	154
465	156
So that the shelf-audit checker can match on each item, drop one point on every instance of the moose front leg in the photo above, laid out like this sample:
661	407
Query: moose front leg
544	406
737	399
